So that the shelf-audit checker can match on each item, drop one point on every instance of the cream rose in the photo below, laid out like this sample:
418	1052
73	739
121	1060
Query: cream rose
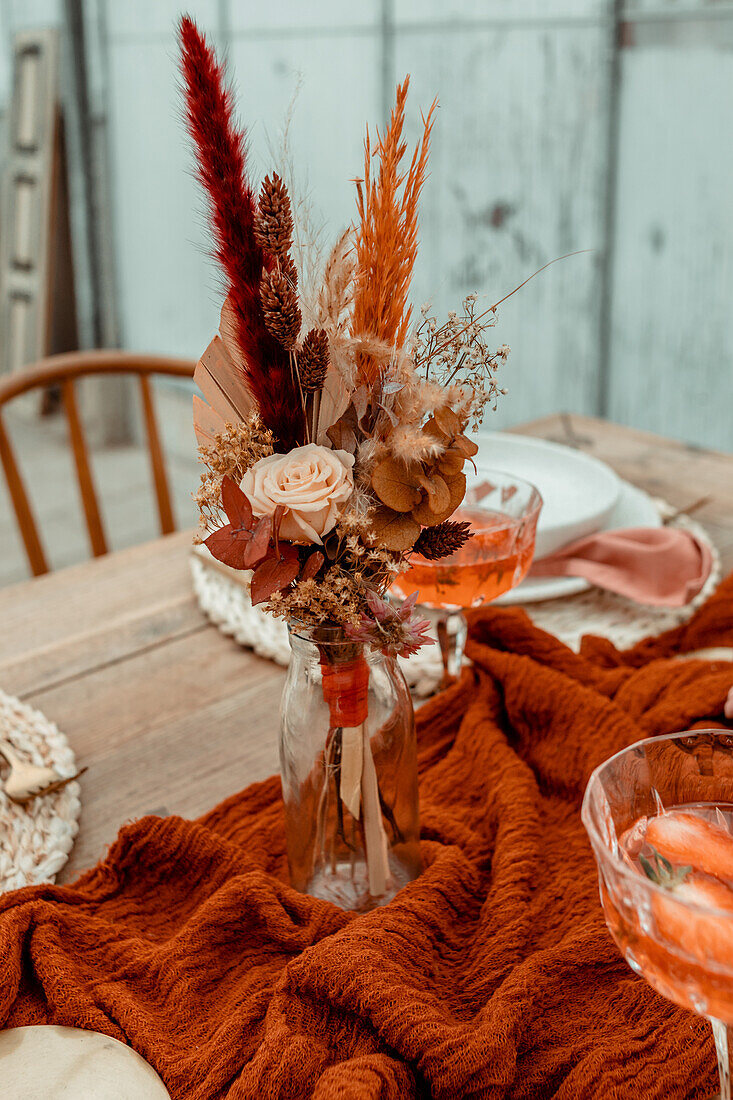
312	483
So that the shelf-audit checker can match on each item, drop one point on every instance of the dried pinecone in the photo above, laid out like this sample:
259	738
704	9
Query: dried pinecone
313	361
289	270
280	308
274	219
443	539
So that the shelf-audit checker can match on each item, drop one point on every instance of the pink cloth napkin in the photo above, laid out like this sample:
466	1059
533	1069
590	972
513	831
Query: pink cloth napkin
664	566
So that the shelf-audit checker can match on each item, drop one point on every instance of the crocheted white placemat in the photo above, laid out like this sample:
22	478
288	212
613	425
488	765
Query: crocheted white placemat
223	595
35	839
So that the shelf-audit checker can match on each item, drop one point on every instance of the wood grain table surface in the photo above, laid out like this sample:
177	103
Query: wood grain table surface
170	716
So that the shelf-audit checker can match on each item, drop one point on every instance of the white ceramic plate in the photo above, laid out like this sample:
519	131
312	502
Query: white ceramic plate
633	509
48	1062
579	493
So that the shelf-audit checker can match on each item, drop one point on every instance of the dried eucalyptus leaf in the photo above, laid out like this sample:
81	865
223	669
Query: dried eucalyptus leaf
393	530
448	422
437	492
426	517
396	485
465	446
450	462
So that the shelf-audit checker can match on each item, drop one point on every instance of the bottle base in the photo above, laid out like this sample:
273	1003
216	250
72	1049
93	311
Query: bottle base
348	886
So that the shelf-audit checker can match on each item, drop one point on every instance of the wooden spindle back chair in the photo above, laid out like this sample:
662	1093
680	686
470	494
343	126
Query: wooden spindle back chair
62	371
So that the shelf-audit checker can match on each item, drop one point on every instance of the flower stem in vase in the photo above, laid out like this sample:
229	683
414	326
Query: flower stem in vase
345	689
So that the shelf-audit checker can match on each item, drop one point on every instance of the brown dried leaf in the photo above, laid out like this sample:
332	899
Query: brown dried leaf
259	543
424	515
229	546
360	400
431	428
465	446
342	437
235	504
451	462
457	489
393	530
447	422
274	574
396	485
312	565
437	492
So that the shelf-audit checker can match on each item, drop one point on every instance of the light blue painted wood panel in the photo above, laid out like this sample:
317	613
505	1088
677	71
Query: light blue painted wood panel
142	19
167	289
340	93
517	178
295	16
27	14
450	12
169	293
676	9
672	333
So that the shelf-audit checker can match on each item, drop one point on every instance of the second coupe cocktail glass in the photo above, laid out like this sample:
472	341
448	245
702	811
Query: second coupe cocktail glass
659	817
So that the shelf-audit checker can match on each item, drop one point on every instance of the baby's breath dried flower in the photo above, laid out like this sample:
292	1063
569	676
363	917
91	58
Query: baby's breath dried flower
457	352
233	451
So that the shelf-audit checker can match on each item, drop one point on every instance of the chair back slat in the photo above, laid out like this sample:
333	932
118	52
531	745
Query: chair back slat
62	371
157	462
97	539
21	506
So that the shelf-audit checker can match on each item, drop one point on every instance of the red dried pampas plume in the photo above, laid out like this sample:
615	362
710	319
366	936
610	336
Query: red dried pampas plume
220	148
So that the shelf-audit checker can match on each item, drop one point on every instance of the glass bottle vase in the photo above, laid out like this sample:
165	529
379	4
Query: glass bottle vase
348	761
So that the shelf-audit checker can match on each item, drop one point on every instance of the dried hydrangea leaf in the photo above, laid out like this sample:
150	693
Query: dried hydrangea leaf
393	530
396	485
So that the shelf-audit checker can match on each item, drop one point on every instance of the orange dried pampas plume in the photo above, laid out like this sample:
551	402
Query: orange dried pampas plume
386	237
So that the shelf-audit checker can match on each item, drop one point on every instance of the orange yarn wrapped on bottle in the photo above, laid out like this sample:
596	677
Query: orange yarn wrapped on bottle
346	690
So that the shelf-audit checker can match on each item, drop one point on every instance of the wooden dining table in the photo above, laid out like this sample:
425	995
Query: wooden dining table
167	714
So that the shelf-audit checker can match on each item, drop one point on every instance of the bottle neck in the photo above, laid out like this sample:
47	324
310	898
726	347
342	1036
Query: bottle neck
329	646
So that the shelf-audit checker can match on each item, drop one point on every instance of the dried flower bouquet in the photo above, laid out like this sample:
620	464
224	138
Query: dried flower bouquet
333	430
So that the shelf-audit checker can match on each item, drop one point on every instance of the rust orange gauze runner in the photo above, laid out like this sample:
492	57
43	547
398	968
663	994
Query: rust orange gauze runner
493	975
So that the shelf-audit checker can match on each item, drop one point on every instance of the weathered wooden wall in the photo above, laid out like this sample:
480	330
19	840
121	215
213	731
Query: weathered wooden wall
549	139
670	353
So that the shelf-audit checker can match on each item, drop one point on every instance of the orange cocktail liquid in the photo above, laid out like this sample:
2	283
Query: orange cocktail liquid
494	560
685	951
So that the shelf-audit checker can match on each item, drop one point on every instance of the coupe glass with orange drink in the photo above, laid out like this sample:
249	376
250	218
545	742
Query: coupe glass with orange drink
503	511
659	816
